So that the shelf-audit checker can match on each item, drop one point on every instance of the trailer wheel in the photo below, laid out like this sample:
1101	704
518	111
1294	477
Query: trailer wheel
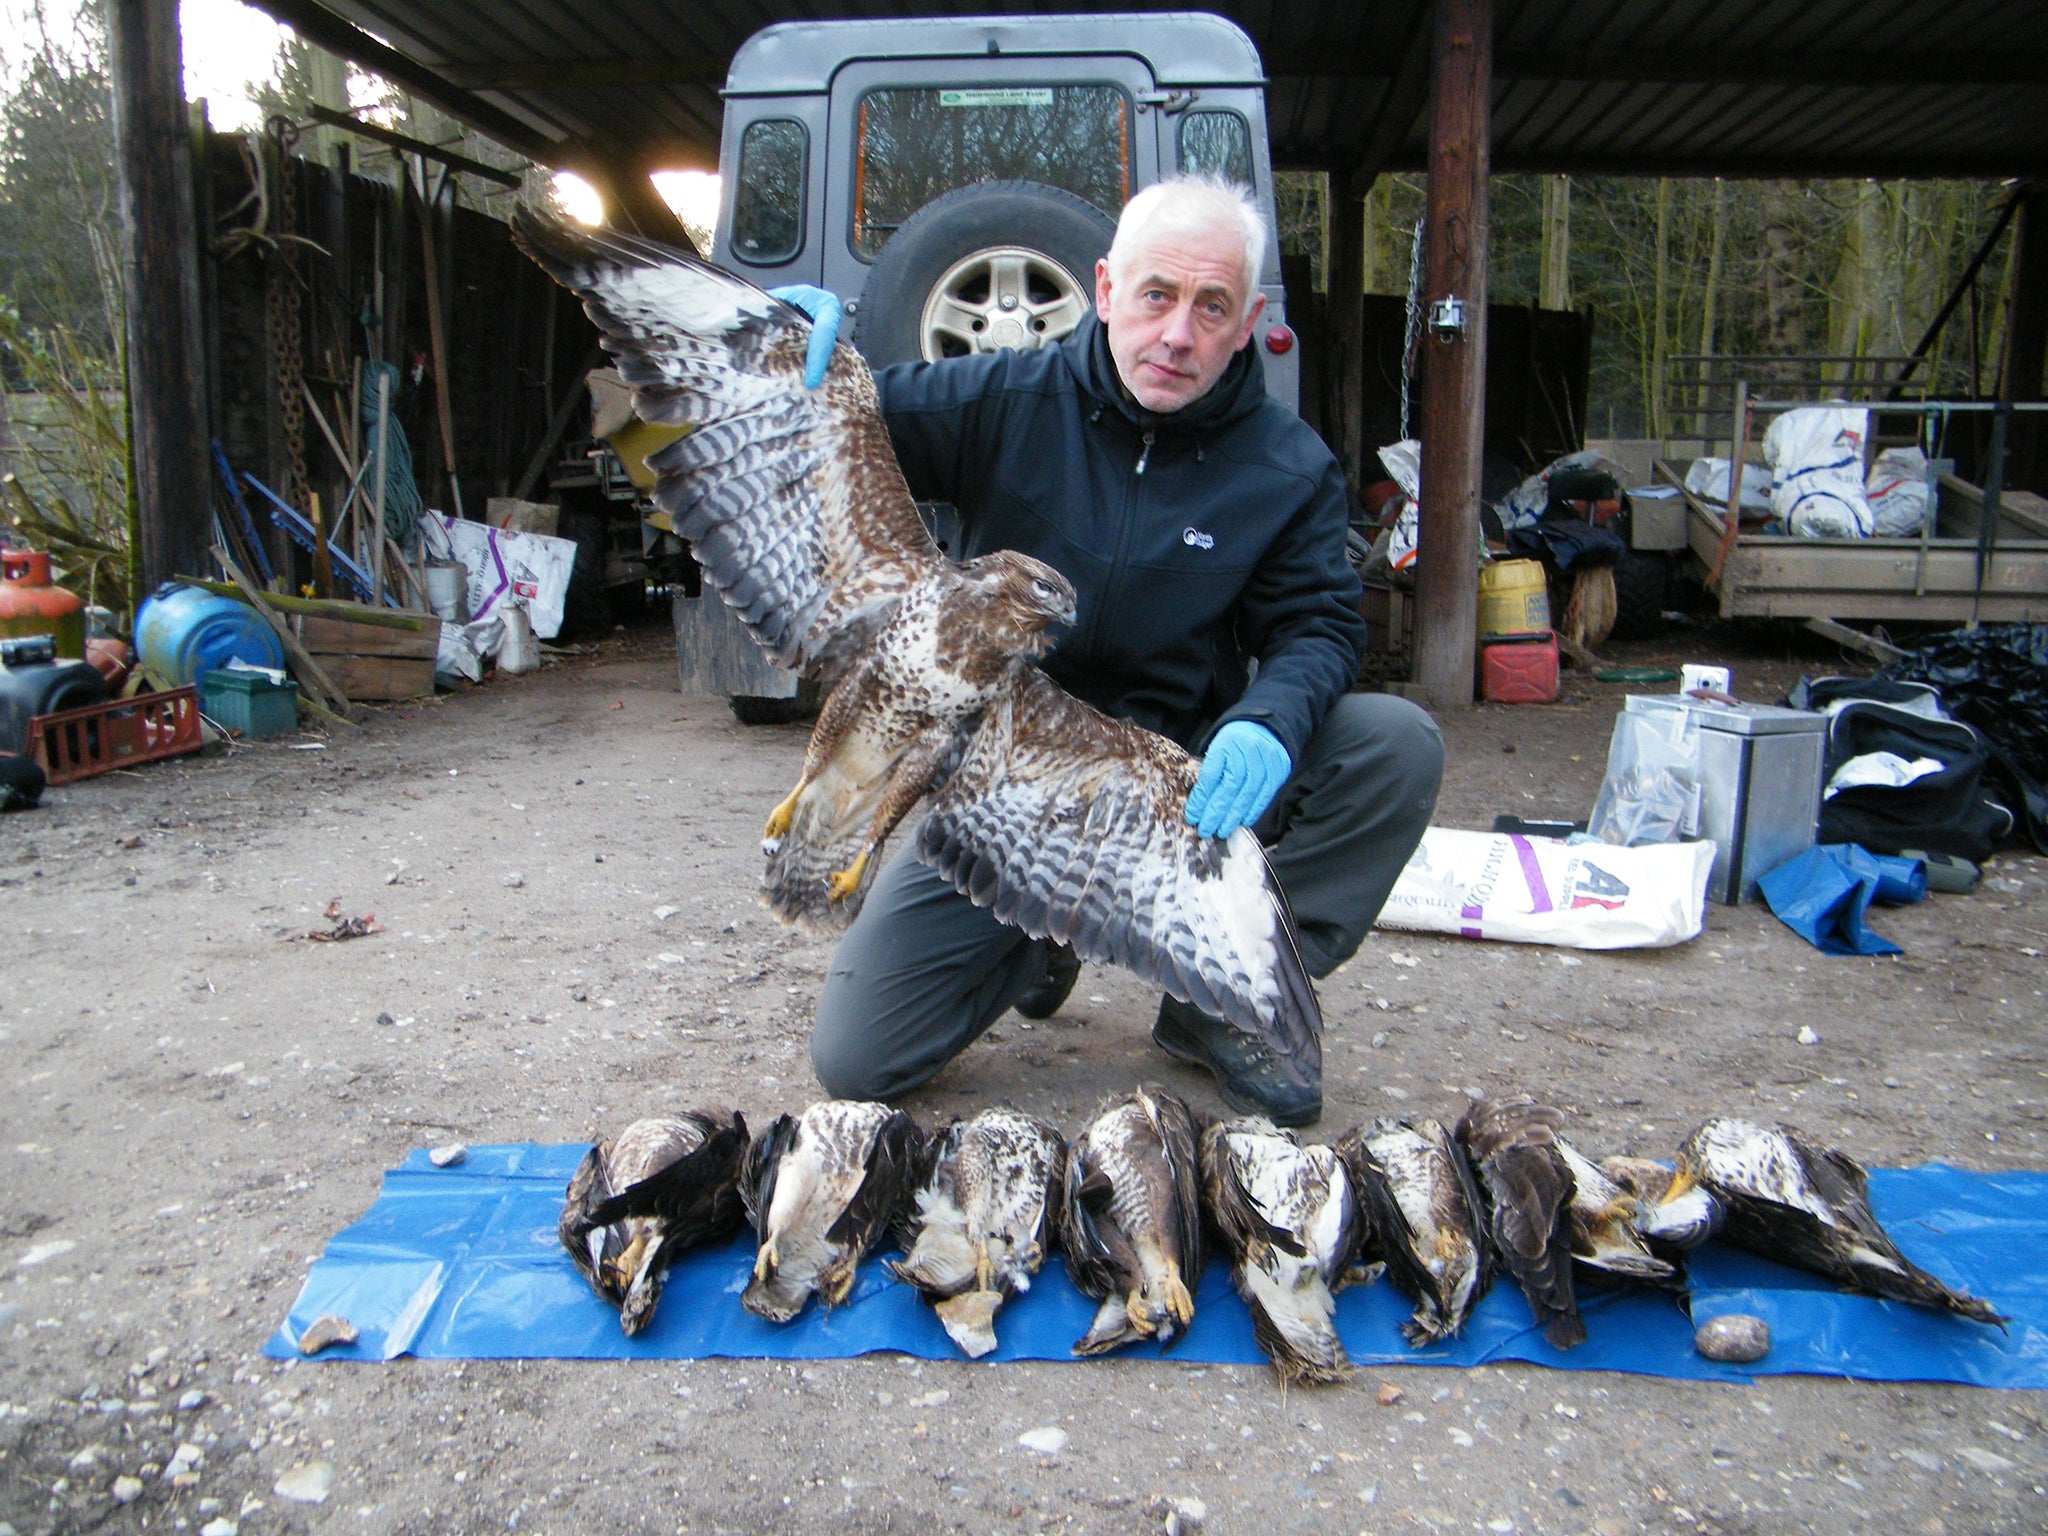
1640	580
994	265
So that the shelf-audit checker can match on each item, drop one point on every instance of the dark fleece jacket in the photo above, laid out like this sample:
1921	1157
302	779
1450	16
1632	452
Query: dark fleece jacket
1196	541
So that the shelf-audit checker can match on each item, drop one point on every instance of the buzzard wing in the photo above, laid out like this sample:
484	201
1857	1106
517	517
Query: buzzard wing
790	497
1068	824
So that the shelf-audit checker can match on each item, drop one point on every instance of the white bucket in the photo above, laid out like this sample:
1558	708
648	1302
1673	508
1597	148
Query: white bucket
519	652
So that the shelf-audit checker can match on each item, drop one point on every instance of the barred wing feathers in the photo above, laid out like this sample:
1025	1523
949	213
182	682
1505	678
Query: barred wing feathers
790	497
1068	824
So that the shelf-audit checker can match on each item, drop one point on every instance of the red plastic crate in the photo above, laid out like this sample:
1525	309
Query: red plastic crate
78	743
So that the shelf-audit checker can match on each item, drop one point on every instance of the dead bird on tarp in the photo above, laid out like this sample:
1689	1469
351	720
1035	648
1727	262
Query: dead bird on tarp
1131	1223
661	1187
1527	1188
1673	1213
1789	1198
1416	1189
1608	1244
1295	1233
987	1211
823	1190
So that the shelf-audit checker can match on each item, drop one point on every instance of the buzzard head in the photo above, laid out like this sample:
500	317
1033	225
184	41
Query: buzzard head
1018	598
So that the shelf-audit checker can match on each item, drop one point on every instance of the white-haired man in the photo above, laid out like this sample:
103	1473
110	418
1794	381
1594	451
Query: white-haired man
1203	527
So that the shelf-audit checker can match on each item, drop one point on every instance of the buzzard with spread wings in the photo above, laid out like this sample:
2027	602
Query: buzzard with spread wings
1064	822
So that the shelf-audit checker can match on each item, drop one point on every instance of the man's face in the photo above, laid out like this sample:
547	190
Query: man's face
1176	316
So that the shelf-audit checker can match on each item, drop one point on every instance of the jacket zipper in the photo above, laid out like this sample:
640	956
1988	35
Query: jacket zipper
1144	455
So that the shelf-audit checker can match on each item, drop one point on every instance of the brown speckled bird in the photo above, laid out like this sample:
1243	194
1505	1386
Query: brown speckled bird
1526	1186
1063	822
1131	1225
1795	1200
823	1189
1417	1191
1291	1223
662	1186
987	1213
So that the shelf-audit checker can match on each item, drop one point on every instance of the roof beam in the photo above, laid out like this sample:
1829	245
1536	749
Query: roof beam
1667	66
1706	67
587	74
320	26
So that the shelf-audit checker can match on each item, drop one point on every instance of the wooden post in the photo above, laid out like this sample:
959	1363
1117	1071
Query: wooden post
160	271
377	494
1454	362
1344	322
443	405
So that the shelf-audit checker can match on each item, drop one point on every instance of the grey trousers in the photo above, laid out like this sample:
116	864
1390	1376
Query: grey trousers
923	971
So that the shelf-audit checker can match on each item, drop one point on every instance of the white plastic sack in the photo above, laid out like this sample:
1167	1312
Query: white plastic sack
1897	491
1708	480
1540	890
527	568
1816	454
1404	463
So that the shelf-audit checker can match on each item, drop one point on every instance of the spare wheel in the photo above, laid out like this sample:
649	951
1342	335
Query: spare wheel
997	264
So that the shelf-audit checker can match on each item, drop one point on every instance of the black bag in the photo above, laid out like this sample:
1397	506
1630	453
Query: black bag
1948	811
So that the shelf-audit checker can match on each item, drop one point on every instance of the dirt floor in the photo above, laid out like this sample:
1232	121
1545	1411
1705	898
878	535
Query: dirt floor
195	1099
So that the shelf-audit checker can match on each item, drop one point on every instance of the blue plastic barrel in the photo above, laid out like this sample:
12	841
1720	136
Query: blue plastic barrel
182	633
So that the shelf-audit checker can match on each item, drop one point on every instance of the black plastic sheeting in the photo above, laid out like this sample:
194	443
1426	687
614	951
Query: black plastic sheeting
1996	679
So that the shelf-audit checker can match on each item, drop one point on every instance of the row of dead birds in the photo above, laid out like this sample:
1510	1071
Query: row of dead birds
1134	1203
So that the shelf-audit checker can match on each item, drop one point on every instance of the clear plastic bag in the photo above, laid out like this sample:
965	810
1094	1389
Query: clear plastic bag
1651	793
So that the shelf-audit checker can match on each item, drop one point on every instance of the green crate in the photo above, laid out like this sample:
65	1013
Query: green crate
250	703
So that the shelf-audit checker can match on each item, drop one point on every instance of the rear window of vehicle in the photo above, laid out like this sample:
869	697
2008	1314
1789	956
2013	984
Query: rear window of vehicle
1219	143
918	142
768	206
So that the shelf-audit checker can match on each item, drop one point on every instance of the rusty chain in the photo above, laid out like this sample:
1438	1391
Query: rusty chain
282	315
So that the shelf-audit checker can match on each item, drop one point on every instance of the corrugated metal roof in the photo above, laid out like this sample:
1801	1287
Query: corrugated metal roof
1721	87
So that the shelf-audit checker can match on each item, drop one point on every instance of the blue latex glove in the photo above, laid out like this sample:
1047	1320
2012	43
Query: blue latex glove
1241	773
824	309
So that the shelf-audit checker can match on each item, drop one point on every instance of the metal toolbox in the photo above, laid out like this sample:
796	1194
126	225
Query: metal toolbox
1760	784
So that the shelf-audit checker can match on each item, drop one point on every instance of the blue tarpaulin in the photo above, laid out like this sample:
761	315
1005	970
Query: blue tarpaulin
463	1263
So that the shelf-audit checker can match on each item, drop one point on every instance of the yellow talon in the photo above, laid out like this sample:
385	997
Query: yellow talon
1140	1315
780	818
847	881
766	1262
984	1271
1180	1306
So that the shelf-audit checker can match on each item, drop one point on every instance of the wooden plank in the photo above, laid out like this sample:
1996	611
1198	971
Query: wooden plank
381	678
339	637
2021	514
1856	640
336	608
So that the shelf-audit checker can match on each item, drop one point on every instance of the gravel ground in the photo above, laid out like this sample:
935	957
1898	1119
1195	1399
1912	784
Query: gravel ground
196	1098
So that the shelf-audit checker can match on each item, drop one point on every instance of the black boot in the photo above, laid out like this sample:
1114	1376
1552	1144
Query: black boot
1062	970
1251	1078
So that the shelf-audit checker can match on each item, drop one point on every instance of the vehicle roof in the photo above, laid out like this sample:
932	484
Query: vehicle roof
1182	47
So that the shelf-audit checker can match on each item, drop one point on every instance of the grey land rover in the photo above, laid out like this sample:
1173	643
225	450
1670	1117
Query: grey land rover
955	181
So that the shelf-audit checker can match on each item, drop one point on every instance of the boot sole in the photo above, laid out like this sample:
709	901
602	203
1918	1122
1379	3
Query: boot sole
1243	1103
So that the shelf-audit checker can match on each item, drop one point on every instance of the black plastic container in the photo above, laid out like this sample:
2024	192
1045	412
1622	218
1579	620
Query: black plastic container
33	682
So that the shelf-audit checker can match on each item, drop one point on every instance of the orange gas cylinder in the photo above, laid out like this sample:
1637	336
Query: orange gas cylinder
29	605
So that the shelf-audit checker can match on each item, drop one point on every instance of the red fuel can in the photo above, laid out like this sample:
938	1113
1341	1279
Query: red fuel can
1519	671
